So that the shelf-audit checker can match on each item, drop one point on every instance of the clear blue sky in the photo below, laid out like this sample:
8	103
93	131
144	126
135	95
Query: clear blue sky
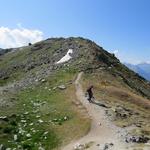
122	25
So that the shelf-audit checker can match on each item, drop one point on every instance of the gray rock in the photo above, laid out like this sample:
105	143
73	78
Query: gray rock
107	146
2	147
62	87
137	139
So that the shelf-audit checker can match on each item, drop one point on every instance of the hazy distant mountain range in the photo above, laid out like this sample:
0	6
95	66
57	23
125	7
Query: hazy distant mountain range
142	69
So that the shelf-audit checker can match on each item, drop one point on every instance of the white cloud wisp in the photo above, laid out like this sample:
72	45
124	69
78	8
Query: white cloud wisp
11	38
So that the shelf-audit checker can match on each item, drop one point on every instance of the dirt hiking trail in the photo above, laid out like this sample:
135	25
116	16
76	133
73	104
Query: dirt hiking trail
103	135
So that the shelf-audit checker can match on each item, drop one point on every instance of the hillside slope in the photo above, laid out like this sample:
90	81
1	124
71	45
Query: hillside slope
38	105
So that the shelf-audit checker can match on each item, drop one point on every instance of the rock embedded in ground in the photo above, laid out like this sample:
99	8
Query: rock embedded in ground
40	121
62	87
41	148
4	118
66	118
108	146
2	147
15	137
137	139
28	135
43	80
78	146
31	124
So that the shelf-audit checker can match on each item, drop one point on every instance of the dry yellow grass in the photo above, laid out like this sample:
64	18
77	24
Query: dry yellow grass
114	93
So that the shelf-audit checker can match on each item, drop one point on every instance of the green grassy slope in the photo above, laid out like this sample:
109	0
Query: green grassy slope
43	116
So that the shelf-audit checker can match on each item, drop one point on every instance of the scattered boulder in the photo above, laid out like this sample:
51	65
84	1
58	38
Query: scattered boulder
137	139
2	147
79	146
23	121
62	87
41	148
4	118
122	112
40	121
28	135
43	80
31	124
107	146
15	137
46	132
65	118
99	124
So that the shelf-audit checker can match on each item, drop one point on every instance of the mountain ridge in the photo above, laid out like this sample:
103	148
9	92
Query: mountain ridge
38	103
87	55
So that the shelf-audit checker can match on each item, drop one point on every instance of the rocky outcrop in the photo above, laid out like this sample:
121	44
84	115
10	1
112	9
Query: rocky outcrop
137	139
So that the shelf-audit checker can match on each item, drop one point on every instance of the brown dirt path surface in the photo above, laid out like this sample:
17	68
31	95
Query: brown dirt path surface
102	131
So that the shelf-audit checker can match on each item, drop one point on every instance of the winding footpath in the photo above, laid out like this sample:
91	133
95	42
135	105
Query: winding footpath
102	130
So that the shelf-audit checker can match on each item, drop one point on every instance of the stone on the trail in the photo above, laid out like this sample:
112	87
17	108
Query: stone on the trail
111	144
54	88
79	146
99	124
108	146
148	143
15	137
105	147
62	87
8	148
36	80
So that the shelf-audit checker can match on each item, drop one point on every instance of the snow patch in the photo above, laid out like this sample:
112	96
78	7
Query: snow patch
66	58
